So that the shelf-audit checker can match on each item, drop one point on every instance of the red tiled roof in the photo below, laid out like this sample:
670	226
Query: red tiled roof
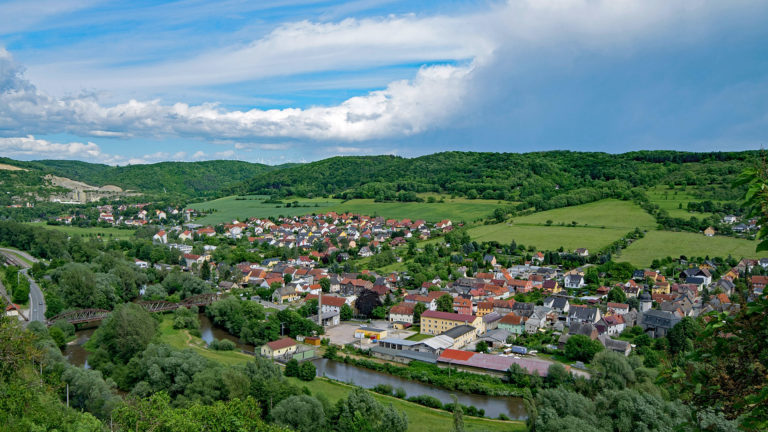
452	354
281	343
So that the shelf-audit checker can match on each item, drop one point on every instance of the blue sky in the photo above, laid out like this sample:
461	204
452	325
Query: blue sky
278	81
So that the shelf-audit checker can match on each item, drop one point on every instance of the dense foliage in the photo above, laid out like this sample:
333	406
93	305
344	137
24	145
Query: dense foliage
542	180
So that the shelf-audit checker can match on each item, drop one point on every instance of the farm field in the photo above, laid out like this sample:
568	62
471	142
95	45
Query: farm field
88	232
618	218
609	213
230	208
456	209
420	418
551	238
660	244
671	199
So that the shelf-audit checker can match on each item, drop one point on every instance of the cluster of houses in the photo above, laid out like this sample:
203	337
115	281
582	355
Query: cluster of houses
333	231
126	214
741	227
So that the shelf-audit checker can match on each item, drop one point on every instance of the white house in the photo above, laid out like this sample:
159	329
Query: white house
186	235
161	237
574	281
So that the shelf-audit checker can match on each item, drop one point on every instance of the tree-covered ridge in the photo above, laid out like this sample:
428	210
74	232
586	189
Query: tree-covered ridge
184	178
505	176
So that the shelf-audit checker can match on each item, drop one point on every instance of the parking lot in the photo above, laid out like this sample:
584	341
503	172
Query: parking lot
344	333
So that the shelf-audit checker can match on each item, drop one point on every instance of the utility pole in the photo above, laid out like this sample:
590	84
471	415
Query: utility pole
67	395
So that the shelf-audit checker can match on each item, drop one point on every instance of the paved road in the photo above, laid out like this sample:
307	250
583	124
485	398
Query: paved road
36	298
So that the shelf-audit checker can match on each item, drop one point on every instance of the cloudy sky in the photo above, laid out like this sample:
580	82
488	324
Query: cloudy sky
275	81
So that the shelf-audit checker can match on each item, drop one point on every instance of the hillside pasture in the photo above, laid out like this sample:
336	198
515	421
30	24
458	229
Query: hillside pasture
672	200
455	209
548	237
609	213
661	244
598	224
240	208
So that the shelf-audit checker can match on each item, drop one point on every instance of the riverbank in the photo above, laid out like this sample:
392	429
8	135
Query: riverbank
420	418
182	339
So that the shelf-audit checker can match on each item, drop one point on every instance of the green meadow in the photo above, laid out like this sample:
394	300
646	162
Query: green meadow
597	225
608	213
456	209
672	200
661	244
240	208
88	232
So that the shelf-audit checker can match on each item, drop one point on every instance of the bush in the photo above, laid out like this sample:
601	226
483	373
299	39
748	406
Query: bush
222	345
307	371
580	347
426	400
385	389
400	393
291	368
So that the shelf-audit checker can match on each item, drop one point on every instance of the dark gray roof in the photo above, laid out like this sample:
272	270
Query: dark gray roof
556	302
458	331
584	314
413	355
585	329
660	318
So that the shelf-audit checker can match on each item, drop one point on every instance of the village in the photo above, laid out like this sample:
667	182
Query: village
484	321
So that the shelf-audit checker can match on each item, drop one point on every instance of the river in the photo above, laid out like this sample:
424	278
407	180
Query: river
77	355
493	405
510	406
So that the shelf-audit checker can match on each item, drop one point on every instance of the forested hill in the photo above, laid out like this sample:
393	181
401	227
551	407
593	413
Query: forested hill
181	178
506	176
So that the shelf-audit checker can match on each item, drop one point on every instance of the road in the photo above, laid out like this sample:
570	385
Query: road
36	298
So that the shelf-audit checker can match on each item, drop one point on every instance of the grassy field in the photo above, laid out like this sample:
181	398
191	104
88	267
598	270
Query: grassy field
230	208
456	209
419	418
660	244
182	339
671	199
608	213
548	238
598	224
88	232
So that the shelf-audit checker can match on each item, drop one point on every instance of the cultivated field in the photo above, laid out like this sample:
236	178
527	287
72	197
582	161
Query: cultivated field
457	209
550	238
88	232
230	208
660	244
617	218
609	213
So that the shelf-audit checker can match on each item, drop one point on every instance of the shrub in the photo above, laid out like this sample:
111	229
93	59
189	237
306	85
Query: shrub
400	393
426	400
291	368
383	389
307	371
222	345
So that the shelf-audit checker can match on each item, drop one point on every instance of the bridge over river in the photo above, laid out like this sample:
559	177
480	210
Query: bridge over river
91	315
